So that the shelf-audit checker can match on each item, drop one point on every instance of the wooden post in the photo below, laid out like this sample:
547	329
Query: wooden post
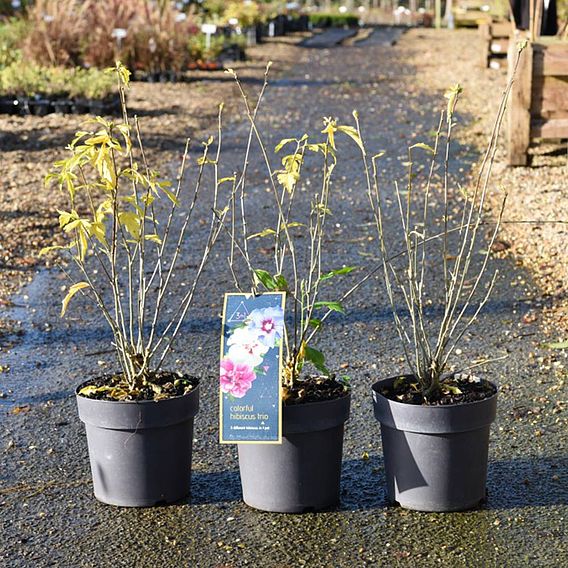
438	14
519	127
485	40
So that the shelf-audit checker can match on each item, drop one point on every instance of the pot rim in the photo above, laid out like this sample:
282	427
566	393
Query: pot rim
407	405
315	416
433	419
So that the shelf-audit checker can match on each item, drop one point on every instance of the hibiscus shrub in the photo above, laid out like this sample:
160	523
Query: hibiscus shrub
297	271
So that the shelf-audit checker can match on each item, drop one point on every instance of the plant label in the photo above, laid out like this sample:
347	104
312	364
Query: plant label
250	397
209	29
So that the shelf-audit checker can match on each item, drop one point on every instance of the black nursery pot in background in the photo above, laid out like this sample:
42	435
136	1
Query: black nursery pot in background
140	452
304	472
435	456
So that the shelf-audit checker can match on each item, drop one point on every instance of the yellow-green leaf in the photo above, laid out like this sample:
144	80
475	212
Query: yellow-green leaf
283	143
171	196
97	230
330	129
353	134
46	250
264	233
131	222
423	146
288	180
154	238
223	180
90	390
72	291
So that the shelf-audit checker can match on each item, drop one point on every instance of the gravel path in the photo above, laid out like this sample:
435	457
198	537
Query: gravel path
48	514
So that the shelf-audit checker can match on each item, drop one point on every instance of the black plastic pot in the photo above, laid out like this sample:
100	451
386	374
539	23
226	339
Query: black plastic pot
62	106
259	32
80	105
280	25
140	452
8	105
435	456
38	106
304	472
250	35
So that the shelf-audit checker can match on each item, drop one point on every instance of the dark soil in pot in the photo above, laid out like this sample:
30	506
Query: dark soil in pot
303	473
455	390
139	450
435	454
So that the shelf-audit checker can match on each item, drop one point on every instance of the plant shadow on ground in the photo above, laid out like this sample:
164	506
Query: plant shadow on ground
14	141
512	484
205	325
517	483
534	481
155	112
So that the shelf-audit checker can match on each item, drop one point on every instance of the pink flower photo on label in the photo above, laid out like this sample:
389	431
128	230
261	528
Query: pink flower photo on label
236	377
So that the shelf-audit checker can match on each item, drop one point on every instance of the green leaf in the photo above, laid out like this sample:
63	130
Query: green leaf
281	282
72	291
316	358
316	323
333	306
337	272
266	279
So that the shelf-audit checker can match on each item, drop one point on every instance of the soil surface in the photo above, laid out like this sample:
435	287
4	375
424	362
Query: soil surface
47	511
159	386
315	389
453	390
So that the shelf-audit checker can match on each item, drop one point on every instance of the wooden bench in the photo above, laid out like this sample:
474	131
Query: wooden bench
494	42
538	105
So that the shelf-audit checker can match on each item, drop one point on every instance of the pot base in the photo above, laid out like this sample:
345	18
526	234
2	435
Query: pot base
436	473
303	473
299	476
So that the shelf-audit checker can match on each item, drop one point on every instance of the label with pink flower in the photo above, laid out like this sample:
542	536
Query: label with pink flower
250	370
